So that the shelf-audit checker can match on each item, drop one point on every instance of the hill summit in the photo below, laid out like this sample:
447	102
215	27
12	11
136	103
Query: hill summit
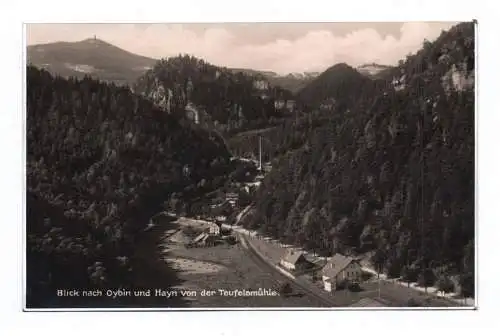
339	85
224	97
92	57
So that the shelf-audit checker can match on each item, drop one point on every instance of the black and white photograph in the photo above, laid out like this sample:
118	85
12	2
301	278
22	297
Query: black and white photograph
226	166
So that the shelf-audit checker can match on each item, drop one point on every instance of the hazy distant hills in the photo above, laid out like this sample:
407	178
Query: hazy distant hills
92	57
297	81
293	82
251	72
373	70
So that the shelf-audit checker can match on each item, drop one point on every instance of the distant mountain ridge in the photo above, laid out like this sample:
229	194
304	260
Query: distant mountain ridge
293	81
272	74
92	57
105	61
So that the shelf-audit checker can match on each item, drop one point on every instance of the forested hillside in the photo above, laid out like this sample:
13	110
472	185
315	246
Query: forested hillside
278	138
226	97
323	98
338	86
391	173
100	160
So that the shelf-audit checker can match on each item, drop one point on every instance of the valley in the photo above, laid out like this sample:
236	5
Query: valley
181	175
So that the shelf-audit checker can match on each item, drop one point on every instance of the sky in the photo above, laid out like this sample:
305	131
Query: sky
279	47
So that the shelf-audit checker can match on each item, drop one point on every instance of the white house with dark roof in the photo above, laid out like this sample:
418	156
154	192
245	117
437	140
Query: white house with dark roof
294	260
340	268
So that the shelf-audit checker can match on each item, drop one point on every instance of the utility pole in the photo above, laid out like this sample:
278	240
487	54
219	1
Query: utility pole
260	153
422	200
379	288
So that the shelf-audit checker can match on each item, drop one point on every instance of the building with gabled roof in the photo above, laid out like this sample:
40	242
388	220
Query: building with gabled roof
203	239
340	269
294	260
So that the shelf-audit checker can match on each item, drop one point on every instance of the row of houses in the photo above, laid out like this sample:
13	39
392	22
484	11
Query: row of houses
339	269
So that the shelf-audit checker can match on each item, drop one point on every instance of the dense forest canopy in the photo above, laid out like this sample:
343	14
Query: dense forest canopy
99	160
339	84
392	171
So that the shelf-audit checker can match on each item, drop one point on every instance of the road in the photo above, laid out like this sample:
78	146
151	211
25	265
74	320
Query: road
265	266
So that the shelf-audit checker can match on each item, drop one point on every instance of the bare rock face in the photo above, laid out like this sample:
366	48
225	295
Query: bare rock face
160	96
458	78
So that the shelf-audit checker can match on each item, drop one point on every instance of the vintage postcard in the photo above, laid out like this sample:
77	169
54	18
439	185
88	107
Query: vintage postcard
250	166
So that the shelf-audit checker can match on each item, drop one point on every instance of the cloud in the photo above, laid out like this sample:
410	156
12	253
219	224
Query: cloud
320	49
313	51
